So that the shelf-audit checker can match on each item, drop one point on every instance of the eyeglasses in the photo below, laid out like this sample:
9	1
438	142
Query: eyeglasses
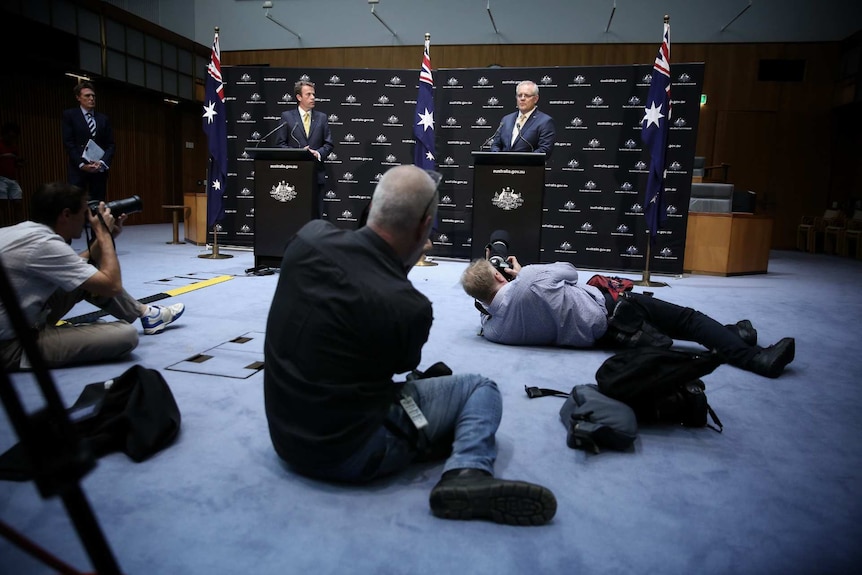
437	177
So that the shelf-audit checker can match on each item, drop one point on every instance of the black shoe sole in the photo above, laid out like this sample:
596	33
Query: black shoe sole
776	367
501	501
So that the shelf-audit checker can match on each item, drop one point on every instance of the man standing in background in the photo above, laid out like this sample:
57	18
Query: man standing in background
88	167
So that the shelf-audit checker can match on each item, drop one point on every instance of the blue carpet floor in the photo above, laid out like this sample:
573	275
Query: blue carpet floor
777	492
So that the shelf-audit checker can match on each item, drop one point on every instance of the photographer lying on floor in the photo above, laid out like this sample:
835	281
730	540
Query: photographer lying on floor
49	278
543	304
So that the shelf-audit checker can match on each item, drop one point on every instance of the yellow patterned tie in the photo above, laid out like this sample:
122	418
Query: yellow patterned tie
306	122
518	127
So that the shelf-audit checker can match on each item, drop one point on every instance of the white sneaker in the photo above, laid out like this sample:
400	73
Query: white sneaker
159	317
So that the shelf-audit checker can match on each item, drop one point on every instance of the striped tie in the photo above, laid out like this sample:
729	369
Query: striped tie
92	123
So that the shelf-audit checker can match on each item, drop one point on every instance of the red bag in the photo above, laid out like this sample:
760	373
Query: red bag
611	284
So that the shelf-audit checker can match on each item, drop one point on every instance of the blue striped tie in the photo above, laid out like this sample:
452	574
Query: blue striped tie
92	123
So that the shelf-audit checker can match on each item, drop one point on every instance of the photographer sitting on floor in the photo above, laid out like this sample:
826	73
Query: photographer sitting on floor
543	304
49	278
345	319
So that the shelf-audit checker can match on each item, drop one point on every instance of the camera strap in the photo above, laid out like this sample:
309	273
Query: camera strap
91	237
481	308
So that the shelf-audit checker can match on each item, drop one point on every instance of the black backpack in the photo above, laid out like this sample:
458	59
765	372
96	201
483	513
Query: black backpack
135	413
661	385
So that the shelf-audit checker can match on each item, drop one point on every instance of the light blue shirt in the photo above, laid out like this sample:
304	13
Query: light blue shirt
545	305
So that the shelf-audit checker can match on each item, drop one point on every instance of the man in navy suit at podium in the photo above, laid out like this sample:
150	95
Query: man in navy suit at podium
80	125
308	129
528	129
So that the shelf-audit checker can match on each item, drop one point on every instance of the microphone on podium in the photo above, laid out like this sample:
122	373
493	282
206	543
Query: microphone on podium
494	135
532	149
277	128
298	145
518	130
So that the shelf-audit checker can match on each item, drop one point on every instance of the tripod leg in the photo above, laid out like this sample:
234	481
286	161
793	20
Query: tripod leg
89	531
36	551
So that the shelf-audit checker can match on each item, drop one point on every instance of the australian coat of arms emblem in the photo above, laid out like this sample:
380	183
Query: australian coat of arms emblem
506	199
283	192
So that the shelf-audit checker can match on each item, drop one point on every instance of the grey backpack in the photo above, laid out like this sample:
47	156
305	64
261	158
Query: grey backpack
593	421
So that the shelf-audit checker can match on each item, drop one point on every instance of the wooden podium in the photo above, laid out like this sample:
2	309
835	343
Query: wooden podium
284	186
727	244
508	189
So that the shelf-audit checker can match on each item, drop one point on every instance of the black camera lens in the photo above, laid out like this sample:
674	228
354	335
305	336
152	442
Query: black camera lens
130	205
498	252
499	245
126	206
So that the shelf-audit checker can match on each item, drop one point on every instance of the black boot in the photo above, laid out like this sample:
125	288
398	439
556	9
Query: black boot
476	494
745	331
770	361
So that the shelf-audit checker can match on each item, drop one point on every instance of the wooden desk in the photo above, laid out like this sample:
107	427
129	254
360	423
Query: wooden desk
196	222
727	244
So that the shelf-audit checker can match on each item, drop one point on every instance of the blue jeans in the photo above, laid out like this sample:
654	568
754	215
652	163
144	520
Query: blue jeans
463	412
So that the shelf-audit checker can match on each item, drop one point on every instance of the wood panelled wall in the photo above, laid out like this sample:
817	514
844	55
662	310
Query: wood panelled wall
152	158
788	141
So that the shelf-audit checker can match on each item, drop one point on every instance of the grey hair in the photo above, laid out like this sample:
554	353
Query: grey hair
535	86
402	198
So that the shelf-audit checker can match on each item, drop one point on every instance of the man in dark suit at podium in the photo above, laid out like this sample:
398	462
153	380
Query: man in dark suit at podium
528	129
308	129
80	125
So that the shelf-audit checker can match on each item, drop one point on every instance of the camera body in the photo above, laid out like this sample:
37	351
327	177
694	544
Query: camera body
126	206
498	252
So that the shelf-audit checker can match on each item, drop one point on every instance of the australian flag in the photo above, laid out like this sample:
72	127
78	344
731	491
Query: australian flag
215	127
423	127
654	127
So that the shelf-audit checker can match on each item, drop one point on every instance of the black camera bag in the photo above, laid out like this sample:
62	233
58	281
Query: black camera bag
661	385
135	413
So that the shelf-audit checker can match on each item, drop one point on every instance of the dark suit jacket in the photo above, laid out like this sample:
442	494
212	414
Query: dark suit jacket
537	135
76	134
292	135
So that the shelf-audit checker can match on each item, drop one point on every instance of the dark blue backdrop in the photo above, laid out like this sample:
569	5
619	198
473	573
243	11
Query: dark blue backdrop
595	179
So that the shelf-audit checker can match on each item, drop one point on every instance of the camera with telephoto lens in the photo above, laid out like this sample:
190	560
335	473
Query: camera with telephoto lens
126	206
498	252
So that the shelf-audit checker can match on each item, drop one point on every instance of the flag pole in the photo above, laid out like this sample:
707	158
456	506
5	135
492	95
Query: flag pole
214	255
429	245
215	116
645	281
660	64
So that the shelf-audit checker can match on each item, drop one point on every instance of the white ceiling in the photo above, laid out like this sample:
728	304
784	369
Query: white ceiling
333	23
